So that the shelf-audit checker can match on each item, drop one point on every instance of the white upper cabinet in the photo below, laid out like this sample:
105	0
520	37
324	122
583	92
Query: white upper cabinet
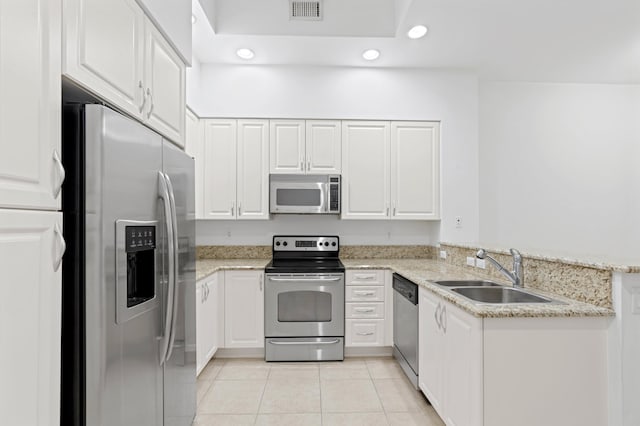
113	50
287	146
415	171
103	50
236	169
31	249
31	174
219	166
174	19
391	170
323	146
194	140
165	92
252	191
305	147
365	172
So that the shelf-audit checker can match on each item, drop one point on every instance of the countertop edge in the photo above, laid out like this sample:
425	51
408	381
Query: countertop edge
571	308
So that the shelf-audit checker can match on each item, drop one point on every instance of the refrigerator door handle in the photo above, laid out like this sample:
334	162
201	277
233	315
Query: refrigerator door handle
174	310
164	195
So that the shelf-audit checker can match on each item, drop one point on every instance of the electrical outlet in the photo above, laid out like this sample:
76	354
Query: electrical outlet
471	261
443	254
481	263
458	222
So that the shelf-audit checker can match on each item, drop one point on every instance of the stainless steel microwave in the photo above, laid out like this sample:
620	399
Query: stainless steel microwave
304	194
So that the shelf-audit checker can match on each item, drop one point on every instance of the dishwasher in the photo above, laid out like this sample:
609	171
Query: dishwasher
405	326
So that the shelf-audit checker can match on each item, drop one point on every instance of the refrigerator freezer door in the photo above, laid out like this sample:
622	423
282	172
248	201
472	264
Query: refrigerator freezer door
123	373
180	367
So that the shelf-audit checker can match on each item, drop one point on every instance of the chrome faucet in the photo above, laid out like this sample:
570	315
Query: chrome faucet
517	276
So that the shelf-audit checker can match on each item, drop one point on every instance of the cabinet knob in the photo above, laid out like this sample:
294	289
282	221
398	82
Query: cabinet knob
151	106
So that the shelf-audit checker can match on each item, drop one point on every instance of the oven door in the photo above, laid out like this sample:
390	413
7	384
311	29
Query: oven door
298	197
304	305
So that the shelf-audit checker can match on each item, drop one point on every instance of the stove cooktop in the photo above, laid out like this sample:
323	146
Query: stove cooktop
304	266
295	254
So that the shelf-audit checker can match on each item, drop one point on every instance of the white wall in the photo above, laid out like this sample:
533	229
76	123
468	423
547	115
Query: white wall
356	93
560	169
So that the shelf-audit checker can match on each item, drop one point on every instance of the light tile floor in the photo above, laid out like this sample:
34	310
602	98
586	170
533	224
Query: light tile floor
357	391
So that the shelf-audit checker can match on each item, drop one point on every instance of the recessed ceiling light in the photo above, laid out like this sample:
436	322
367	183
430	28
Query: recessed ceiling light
418	31
193	19
371	54
245	53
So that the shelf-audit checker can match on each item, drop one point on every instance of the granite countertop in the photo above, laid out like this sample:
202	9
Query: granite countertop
423	272
206	267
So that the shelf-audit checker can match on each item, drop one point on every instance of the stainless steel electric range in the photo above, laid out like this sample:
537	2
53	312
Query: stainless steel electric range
304	300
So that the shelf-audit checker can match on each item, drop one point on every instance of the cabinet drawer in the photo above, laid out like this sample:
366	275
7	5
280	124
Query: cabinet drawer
364	293
364	277
364	332
364	310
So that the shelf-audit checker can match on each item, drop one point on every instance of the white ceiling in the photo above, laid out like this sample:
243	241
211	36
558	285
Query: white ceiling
531	40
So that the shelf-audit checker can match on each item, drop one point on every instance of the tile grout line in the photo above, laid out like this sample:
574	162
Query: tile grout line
386	418
255	420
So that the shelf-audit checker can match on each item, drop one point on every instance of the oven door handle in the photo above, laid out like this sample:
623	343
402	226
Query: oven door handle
303	279
329	342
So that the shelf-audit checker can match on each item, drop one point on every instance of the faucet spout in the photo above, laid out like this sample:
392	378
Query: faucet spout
516	276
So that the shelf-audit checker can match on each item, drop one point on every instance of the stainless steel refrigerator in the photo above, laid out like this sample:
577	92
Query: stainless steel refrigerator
128	339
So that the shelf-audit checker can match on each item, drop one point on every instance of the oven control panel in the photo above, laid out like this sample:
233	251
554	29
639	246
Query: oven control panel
305	243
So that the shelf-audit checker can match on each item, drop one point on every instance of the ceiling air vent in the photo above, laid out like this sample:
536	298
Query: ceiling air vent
305	10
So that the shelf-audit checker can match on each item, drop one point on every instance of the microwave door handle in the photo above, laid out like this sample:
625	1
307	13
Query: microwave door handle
326	190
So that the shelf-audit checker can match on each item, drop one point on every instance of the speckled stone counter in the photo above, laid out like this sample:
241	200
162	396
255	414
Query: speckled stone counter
424	271
206	267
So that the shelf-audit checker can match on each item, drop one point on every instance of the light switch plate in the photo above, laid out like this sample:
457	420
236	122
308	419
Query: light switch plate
443	254
481	263
471	261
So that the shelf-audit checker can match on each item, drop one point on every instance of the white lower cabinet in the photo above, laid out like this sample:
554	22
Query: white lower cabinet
511	371
450	364
367	308
244	309
209	318
31	249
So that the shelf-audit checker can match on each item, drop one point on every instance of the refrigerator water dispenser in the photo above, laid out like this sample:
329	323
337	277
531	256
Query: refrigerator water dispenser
136	274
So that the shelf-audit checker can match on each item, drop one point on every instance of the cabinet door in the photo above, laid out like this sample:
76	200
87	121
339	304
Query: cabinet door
365	169
200	327
253	169
244	309
104	50
164	87
31	247
323	147
30	113
287	146
415	171
219	169
463	370
194	138
430	349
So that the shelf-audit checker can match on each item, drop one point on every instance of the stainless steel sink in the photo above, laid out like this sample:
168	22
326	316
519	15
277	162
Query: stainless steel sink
500	295
467	283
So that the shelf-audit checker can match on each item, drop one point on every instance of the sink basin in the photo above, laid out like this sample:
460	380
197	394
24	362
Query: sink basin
467	283
500	295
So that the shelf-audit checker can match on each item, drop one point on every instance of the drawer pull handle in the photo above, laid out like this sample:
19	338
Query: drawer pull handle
364	310
368	333
365	277
364	293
